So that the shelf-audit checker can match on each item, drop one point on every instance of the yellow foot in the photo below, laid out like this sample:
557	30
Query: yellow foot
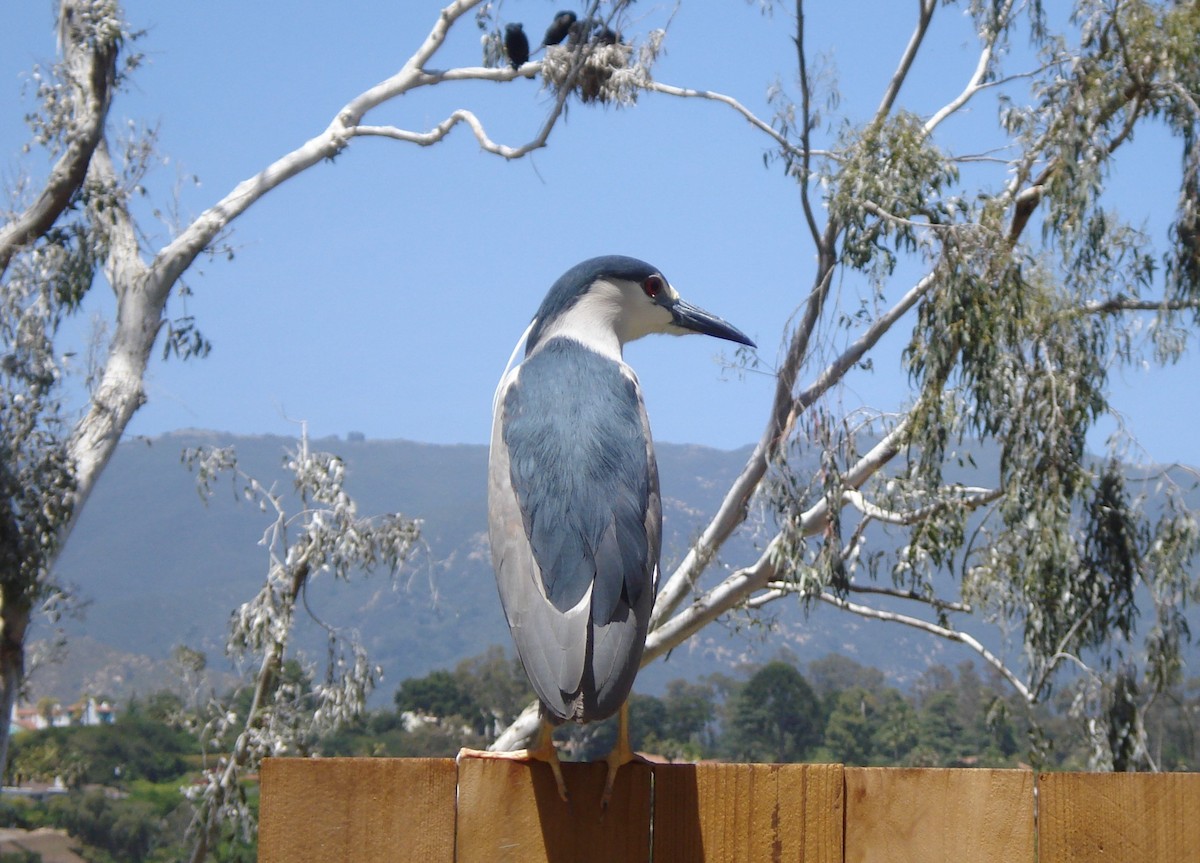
543	750
615	764
622	753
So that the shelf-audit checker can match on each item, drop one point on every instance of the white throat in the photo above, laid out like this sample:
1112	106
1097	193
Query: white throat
609	315
594	320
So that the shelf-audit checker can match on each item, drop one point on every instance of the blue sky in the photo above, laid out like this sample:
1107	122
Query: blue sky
383	293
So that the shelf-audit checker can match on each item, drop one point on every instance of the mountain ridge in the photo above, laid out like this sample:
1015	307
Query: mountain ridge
159	567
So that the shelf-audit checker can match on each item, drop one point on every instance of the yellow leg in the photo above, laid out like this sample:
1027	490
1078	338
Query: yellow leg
622	753
542	750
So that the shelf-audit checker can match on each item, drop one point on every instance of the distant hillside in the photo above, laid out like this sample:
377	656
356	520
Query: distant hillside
158	567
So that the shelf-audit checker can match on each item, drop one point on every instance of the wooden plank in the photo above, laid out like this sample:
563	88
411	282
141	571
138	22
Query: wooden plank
728	812
509	810
1130	817
924	816
359	810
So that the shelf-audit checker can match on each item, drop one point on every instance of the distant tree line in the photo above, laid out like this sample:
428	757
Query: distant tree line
834	710
126	781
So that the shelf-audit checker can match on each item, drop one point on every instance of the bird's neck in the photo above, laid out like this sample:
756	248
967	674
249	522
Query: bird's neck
594	320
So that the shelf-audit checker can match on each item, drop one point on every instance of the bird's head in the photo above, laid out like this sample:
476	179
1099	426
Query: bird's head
608	301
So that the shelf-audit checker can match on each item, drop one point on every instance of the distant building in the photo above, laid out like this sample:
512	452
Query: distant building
36	790
85	712
92	712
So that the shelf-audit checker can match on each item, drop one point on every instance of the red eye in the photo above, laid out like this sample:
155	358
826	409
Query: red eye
652	286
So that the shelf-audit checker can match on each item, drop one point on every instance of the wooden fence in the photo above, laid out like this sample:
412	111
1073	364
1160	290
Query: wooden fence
370	810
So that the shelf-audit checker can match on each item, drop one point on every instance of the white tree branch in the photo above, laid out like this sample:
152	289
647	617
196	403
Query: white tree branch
932	601
976	81
442	129
739	585
733	508
89	66
934	629
779	589
119	391
969	498
143	290
924	16
746	113
519	731
1129	304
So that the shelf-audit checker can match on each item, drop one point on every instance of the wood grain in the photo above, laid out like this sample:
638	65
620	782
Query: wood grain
759	812
1126	817
925	816
370	810
511	811
358	810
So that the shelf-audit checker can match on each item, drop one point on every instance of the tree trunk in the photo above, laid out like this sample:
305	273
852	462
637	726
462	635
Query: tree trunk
14	620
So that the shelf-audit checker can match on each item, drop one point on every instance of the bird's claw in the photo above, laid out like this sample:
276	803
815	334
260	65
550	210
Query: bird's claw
622	753
543	750
615	764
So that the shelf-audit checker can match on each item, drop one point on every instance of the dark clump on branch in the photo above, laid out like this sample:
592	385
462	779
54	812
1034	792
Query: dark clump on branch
599	60
604	36
579	31
588	30
559	28
516	45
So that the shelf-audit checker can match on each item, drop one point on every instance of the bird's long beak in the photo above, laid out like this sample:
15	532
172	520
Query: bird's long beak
695	320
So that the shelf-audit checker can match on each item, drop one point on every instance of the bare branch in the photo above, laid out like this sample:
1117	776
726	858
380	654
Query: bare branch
807	122
732	511
779	589
176	257
1129	304
442	129
767	597
976	81
906	60
876	210
971	498
477	73
934	629
707	608
737	587
932	601
119	392
859	348
142	290
750	117
412	72
90	67
1062	653
519	730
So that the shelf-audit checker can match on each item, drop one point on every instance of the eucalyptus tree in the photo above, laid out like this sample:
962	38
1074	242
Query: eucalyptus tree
1010	341
313	529
1016	284
80	227
972	505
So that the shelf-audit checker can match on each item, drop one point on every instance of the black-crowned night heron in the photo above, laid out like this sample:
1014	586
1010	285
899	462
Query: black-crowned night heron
573	504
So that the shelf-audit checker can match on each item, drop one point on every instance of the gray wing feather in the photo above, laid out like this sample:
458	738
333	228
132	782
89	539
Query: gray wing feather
618	641
552	644
575	526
